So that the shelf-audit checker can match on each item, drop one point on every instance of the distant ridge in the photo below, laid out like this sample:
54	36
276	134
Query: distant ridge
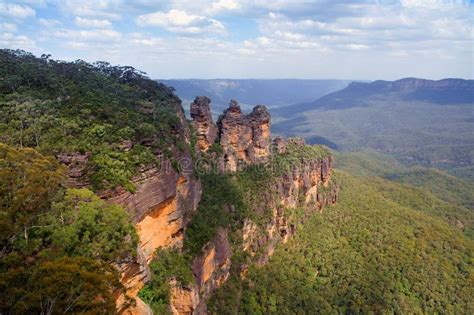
445	91
251	92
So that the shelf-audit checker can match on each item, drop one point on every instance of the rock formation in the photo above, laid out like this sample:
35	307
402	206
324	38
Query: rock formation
164	200
245	139
184	300
206	131
305	184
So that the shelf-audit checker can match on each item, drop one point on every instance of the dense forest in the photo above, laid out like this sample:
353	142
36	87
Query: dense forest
370	253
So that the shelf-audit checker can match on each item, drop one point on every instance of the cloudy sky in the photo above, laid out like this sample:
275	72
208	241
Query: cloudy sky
320	39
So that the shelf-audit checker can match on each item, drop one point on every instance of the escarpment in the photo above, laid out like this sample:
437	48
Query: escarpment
273	185
160	205
304	182
295	175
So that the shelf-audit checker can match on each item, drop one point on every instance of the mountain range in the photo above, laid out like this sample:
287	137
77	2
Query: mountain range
417	121
272	93
443	92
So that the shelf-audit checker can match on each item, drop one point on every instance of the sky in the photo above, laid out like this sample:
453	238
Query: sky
309	39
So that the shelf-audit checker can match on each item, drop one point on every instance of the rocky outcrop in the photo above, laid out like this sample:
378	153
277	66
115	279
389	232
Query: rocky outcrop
76	164
211	269
160	206
206	131
245	139
184	300
279	145
303	181
134	273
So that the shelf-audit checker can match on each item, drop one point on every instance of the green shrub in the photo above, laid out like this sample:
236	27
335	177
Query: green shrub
166	265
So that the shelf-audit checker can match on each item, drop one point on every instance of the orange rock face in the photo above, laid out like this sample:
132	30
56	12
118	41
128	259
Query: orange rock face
133	275
161	207
300	186
184	300
155	230
212	268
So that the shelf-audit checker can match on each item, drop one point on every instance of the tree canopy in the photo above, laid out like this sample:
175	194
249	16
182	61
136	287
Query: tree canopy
57	245
57	106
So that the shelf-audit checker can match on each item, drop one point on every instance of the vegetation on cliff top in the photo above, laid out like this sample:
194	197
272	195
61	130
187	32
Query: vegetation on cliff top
57	245
56	106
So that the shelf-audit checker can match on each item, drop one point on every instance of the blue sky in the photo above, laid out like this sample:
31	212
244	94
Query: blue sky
325	39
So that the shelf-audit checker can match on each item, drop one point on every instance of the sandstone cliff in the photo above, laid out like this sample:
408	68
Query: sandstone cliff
305	183
164	200
160	207
245	139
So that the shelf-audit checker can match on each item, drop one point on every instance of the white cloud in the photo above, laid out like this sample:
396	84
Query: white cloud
413	25
421	3
8	27
148	41
49	23
16	10
223	5
292	38
92	8
179	21
79	45
92	23
98	35
356	47
11	40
